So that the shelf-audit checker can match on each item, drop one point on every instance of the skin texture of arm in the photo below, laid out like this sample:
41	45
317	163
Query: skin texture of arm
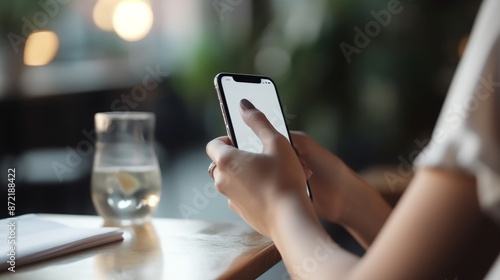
421	239
428	229
340	195
430	226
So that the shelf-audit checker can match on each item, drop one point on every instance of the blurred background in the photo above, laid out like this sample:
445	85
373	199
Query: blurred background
366	79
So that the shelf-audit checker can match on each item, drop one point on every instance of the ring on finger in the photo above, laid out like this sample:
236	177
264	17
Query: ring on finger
211	168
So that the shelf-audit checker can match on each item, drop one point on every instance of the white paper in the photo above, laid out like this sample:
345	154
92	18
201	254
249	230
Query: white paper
39	239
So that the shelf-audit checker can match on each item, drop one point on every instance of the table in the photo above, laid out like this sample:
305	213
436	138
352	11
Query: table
162	249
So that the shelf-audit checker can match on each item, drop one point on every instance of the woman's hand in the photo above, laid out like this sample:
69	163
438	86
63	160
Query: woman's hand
258	186
339	194
334	186
329	179
268	191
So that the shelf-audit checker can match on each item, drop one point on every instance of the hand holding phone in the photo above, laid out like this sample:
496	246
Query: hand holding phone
262	93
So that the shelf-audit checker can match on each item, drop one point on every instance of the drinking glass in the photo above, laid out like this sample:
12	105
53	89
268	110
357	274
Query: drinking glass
126	178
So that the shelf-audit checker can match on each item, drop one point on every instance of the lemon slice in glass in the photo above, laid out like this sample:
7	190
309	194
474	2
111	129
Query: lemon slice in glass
128	183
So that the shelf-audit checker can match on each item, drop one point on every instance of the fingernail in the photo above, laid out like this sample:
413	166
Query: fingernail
247	105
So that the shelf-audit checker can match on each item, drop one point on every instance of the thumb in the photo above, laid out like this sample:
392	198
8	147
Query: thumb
257	121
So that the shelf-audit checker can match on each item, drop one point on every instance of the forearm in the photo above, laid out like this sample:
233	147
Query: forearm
364	211
306	248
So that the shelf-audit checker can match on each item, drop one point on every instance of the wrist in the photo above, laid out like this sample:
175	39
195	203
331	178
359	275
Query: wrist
298	235
293	214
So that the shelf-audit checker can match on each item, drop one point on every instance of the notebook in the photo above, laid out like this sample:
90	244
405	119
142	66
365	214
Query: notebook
28	238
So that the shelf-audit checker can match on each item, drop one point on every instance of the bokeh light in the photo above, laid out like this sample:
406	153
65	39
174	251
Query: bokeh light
103	14
41	48
132	19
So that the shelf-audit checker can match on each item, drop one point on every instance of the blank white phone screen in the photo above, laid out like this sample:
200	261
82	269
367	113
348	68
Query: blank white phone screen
264	97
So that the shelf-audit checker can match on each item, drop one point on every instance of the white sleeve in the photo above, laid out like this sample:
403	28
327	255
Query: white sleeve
467	134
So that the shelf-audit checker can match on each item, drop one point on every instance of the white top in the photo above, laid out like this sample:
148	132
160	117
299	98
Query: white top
467	134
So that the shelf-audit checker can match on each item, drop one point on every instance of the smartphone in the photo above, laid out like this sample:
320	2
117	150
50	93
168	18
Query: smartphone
262	92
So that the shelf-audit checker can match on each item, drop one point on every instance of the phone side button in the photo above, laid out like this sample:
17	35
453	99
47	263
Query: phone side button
227	130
